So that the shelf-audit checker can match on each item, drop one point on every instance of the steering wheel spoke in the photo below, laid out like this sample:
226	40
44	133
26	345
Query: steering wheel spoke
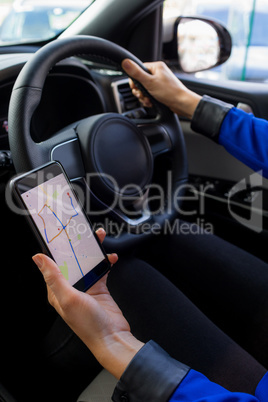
67	152
158	138
64	148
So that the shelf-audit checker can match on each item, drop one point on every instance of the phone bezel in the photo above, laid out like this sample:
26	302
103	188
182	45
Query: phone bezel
56	168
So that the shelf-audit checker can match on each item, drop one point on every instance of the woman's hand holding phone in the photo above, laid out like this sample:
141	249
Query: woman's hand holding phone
93	316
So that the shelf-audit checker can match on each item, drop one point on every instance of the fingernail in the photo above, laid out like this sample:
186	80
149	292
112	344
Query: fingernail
38	261
126	65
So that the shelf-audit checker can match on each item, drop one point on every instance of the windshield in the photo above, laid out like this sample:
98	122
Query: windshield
23	21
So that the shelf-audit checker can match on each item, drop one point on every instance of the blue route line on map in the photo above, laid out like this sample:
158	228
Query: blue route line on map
73	207
64	228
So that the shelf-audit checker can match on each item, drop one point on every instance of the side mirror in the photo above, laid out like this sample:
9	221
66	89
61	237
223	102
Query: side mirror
198	44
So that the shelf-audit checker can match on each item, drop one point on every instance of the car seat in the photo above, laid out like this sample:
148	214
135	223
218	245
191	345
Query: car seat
100	389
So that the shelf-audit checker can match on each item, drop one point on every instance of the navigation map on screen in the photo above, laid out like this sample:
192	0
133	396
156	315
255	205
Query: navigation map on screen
64	228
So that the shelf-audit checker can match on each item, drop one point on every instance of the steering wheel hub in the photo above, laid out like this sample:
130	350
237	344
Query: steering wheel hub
116	155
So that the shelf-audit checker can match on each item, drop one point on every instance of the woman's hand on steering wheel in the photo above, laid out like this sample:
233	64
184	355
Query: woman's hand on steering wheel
163	85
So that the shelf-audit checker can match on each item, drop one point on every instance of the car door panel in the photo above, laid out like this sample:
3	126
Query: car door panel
214	173
206	157
254	94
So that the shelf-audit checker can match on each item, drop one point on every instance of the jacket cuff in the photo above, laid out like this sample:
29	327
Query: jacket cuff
209	115
151	376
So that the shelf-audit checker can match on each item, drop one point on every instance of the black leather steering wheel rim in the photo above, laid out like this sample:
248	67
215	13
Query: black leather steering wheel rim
27	90
27	93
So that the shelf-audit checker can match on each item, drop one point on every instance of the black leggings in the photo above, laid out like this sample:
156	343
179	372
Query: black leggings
208	309
226	336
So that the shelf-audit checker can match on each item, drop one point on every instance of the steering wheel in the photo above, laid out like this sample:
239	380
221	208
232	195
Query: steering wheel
117	153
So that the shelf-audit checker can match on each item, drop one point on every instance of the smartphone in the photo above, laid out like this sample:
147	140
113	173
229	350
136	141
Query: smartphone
61	224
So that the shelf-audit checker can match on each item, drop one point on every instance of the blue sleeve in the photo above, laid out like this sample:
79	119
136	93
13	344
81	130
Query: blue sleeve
262	389
195	387
246	138
153	375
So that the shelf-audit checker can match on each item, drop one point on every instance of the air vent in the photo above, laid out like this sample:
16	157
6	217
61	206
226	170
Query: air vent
125	100
128	100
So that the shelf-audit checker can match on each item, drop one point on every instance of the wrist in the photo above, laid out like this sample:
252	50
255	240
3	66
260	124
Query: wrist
186	103
116	352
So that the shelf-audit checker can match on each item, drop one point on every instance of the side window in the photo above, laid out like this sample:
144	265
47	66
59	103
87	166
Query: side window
247	22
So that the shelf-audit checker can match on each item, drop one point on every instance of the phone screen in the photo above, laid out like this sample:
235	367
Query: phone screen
64	227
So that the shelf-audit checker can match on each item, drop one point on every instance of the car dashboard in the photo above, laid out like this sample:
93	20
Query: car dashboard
74	89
